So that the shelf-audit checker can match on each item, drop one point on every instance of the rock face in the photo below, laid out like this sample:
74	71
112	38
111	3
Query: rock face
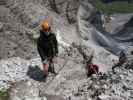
25	80
26	77
91	28
13	37
17	69
12	70
26	17
66	8
27	90
18	73
19	26
109	86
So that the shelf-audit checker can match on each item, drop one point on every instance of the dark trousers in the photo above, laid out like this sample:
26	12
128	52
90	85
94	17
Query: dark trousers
51	65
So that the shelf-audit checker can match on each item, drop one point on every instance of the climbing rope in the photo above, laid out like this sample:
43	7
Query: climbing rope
55	76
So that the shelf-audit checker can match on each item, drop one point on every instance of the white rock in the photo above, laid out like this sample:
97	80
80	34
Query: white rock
104	97
96	87
33	98
105	86
44	98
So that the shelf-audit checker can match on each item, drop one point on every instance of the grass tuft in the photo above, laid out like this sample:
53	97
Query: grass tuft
114	7
4	95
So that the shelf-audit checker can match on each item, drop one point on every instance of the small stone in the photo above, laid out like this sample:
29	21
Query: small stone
130	70
104	97
44	98
122	77
90	81
96	87
105	86
29	83
94	76
116	98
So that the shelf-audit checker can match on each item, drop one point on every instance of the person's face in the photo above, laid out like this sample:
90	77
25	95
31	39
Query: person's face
47	33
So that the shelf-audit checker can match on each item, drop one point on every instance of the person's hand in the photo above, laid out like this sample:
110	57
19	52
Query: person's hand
45	61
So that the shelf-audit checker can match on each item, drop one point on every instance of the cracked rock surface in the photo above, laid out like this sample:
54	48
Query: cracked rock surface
21	68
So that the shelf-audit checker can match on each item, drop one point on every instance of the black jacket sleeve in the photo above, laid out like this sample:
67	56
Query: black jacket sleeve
41	52
40	47
56	44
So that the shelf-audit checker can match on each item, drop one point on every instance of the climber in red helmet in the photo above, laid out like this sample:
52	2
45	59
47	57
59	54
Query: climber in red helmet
47	47
91	68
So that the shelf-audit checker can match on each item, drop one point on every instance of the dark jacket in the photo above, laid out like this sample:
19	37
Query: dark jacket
47	45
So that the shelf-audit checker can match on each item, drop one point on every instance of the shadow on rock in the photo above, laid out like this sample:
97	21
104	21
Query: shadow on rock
35	73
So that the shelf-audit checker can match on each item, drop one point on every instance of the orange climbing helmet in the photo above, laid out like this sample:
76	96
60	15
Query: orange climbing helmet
45	26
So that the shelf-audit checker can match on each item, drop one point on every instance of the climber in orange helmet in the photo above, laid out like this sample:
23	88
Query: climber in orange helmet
47	47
